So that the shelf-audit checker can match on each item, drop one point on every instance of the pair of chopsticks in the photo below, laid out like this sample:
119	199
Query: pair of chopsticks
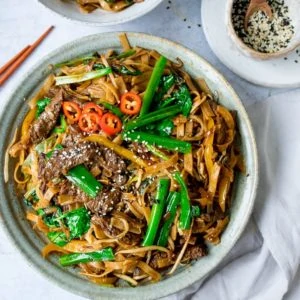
12	65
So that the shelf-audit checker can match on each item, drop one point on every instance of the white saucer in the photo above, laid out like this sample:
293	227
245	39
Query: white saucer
280	73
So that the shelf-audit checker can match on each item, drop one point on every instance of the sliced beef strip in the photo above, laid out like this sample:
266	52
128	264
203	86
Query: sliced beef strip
47	120
155	258
194	252
67	188
105	201
63	160
73	136
104	222
113	161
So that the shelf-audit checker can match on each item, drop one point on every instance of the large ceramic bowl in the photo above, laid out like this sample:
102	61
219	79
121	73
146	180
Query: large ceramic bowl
99	17
11	206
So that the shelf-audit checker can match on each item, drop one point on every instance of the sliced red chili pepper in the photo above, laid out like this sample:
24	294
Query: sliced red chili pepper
110	124
130	103
92	107
89	122
72	111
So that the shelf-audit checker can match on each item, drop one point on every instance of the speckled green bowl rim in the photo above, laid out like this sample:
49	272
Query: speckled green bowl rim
30	244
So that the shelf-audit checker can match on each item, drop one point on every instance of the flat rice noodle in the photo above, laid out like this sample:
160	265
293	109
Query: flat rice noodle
105	273
224	187
97	92
110	75
180	130
136	209
25	130
65	199
204	86
213	233
6	157
121	85
109	281
180	255
155	276
134	251
145	59
189	128
43	202
141	66
197	103
206	110
124	42
98	232
42	92
159	167
145	76
189	82
112	95
80	69
213	179
127	278
229	141
227	116
52	248
77	95
188	163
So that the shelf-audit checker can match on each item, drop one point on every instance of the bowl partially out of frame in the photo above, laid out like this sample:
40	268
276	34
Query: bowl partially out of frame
69	10
11	205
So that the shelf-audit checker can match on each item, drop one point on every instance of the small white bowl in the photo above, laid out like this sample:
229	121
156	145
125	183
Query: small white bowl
294	13
99	17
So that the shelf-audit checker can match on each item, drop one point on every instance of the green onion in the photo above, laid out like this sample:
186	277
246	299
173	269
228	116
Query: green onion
173	201
157	152
60	80
153	117
186	212
57	147
125	54
157	211
153	84
159	141
81	177
75	61
196	211
76	258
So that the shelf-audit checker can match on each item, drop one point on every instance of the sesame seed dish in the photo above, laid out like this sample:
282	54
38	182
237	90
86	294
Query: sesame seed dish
126	165
264	35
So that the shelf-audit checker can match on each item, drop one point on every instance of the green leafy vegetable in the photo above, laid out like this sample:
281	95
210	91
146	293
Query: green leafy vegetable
78	222
58	238
41	105
76	258
165	127
30	197
184	99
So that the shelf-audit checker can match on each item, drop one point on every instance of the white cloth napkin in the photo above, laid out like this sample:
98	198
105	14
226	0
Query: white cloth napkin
264	264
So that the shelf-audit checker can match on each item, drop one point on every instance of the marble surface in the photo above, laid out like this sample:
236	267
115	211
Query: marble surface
21	22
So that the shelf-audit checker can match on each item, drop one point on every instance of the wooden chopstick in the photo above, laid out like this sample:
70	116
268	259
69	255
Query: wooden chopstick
8	64
22	57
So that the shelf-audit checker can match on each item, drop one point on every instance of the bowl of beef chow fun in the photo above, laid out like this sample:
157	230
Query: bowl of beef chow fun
100	12
129	167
